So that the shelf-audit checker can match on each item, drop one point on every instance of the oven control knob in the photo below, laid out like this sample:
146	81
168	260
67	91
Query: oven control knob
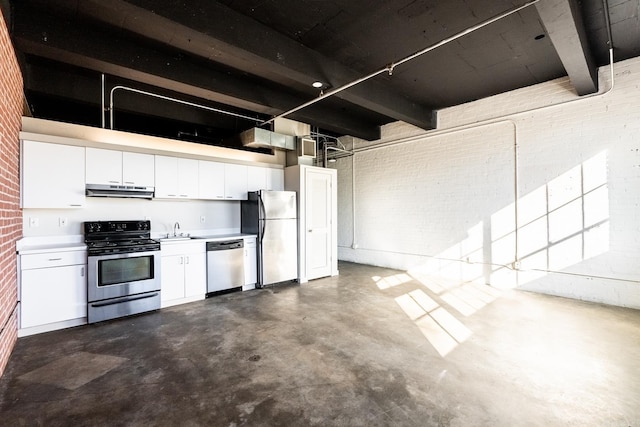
143	225
94	226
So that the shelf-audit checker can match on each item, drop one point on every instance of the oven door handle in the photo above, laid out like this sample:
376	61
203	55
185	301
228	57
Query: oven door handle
121	300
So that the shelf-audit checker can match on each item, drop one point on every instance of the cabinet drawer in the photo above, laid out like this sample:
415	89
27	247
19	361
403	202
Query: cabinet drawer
250	242
52	259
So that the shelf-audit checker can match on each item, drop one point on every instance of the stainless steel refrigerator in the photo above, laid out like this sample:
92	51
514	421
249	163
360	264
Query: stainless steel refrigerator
272	216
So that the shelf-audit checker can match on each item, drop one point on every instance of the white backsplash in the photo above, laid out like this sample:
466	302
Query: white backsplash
220	216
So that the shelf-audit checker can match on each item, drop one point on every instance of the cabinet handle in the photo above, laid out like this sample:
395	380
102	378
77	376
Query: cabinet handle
187	260
82	272
129	182
75	205
55	259
114	182
181	260
171	195
184	195
229	197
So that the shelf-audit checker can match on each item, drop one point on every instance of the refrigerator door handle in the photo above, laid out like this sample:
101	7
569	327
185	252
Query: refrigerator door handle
263	214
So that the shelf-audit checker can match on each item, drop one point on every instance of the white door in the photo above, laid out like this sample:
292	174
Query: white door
318	223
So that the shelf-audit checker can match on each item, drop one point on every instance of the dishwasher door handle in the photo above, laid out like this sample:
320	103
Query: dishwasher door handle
225	245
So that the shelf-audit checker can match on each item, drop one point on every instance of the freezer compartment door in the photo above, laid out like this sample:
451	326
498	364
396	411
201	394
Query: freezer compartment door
278	204
279	251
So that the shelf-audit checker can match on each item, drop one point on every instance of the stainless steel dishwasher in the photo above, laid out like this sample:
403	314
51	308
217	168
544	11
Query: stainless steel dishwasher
225	265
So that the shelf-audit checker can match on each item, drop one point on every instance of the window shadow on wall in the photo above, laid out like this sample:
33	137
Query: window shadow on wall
556	226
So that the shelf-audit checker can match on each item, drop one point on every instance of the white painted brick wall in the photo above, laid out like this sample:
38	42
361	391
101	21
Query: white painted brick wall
442	202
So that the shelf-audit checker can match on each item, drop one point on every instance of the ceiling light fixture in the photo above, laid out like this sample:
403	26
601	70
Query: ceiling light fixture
317	84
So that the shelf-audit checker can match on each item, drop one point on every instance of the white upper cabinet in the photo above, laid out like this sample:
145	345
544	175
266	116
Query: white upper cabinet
138	169
222	181
235	182
52	175
176	178
256	178
211	180
119	168
103	166
261	178
275	179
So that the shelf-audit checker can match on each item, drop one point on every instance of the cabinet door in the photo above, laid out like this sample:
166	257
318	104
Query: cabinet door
166	171
187	178
103	166
172	277
52	175
275	179
195	274
51	295
210	180
250	262
235	182
256	178
138	169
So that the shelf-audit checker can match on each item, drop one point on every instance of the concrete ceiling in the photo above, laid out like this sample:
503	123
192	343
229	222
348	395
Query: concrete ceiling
258	58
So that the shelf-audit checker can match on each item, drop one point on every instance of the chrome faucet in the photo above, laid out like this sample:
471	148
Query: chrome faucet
176	226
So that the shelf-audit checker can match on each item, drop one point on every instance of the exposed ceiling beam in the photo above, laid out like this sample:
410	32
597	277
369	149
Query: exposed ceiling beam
564	24
222	35
85	47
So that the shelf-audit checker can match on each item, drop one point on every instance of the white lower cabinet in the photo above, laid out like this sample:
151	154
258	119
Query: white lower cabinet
53	291
183	273
250	263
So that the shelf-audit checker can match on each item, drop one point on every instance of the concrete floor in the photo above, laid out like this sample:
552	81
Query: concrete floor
369	347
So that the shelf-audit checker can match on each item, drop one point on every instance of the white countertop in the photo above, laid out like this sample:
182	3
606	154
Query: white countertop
46	244
207	238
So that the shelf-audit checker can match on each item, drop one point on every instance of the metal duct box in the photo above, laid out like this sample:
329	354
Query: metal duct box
262	138
306	147
305	154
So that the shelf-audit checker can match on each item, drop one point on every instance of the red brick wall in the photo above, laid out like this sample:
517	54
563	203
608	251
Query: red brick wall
10	214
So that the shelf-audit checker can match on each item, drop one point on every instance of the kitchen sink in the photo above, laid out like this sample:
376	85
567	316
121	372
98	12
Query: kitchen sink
176	237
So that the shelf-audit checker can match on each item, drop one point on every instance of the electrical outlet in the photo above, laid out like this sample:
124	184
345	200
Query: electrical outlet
202	219
62	222
34	222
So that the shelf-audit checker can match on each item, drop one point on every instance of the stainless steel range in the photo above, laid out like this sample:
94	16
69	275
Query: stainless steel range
123	269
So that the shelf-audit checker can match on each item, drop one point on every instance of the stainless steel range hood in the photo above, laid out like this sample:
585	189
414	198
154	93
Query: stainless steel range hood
108	190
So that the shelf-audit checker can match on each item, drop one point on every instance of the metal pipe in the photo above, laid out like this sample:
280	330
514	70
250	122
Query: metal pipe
102	102
428	134
179	101
325	155
389	68
607	22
